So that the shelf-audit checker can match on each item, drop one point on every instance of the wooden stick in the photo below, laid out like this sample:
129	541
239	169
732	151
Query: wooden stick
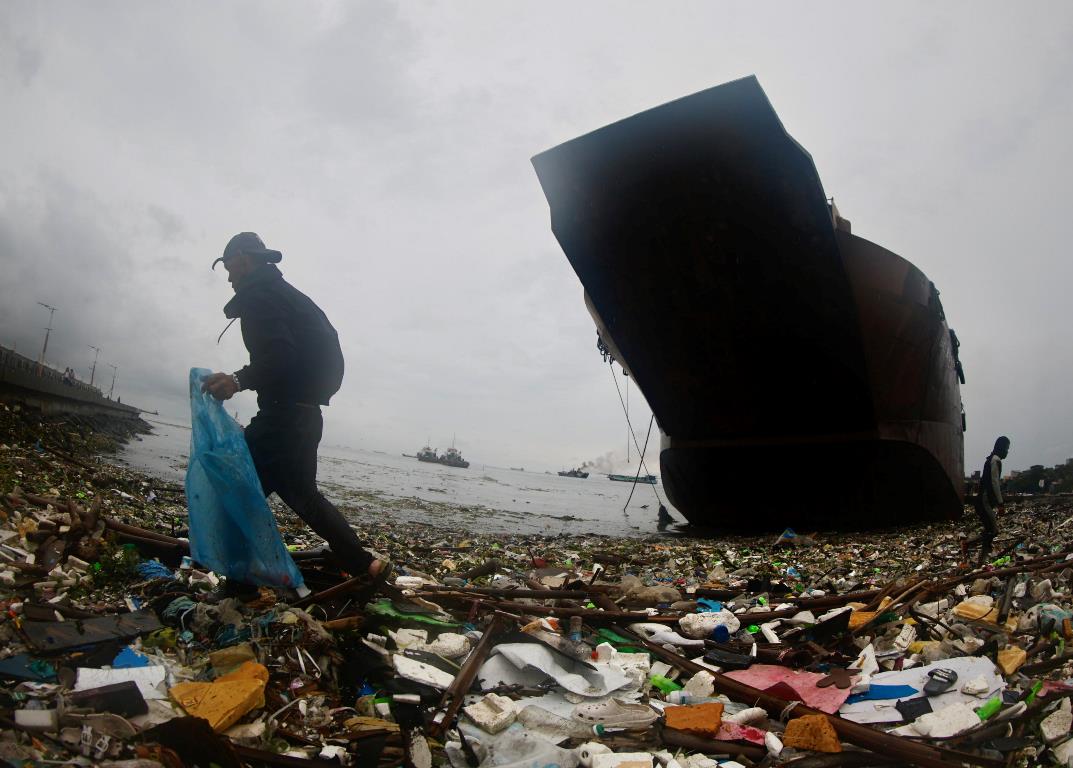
114	525
675	738
539	594
347	622
456	693
339	589
547	610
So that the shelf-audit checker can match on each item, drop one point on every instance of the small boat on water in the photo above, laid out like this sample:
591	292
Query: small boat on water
574	473
650	479
453	458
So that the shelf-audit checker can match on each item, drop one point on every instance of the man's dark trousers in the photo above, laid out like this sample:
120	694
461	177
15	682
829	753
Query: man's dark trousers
986	513
283	442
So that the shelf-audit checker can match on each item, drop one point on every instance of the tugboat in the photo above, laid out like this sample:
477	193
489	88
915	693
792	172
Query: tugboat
427	454
453	458
574	473
799	374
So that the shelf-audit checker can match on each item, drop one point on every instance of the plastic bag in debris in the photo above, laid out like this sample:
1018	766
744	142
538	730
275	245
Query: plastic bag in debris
232	529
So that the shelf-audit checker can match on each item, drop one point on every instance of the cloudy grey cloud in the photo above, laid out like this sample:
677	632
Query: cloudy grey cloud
170	227
384	148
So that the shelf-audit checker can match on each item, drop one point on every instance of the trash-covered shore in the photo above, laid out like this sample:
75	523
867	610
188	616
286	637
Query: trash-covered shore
807	649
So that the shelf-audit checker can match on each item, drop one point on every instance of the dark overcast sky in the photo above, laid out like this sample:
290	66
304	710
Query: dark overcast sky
385	150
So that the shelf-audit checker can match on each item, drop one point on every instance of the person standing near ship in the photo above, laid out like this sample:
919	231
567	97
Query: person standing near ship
295	366
663	518
989	501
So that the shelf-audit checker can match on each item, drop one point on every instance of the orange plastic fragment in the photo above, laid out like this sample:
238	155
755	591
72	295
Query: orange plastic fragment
813	732
698	719
1010	659
858	619
227	698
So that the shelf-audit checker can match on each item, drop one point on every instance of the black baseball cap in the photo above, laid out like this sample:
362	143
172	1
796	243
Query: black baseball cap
249	243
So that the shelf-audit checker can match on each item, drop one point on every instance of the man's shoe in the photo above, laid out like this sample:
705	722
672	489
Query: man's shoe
382	576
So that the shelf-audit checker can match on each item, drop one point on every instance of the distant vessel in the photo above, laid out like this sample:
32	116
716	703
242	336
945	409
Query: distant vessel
453	458
574	473
650	479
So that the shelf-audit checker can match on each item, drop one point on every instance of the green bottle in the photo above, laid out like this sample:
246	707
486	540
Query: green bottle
665	685
990	708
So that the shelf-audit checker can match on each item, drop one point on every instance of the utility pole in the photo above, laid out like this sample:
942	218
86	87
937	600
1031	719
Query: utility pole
93	370
48	330
115	369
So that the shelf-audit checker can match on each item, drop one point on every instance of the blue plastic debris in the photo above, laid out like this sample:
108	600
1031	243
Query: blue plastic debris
128	658
787	535
25	667
1051	618
881	692
176	609
229	634
704	605
232	529
154	569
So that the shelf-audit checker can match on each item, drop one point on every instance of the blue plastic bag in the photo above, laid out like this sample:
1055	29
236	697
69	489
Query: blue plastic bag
232	529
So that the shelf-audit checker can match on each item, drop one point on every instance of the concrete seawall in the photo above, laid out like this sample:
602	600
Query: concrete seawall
23	381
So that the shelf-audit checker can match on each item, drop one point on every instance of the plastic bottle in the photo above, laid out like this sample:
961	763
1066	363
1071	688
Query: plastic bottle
575	628
990	708
663	684
679	697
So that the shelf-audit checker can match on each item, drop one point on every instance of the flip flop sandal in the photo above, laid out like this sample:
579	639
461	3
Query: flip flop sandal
615	714
942	680
730	660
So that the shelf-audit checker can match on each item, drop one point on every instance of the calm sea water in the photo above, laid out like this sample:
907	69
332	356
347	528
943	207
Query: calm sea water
372	484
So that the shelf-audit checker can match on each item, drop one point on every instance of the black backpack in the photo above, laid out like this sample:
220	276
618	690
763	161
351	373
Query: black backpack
324	357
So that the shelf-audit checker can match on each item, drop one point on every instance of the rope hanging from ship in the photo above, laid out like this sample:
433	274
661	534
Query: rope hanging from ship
633	436
633	487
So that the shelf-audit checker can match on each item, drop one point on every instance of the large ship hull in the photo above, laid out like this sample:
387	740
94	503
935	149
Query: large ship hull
800	375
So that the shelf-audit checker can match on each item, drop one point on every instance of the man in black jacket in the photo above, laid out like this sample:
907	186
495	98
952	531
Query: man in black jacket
295	367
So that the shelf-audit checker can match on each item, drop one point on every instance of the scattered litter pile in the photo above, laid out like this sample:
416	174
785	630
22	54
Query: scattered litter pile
877	649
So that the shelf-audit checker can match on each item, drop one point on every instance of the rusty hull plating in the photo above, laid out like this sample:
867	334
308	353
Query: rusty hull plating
800	375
